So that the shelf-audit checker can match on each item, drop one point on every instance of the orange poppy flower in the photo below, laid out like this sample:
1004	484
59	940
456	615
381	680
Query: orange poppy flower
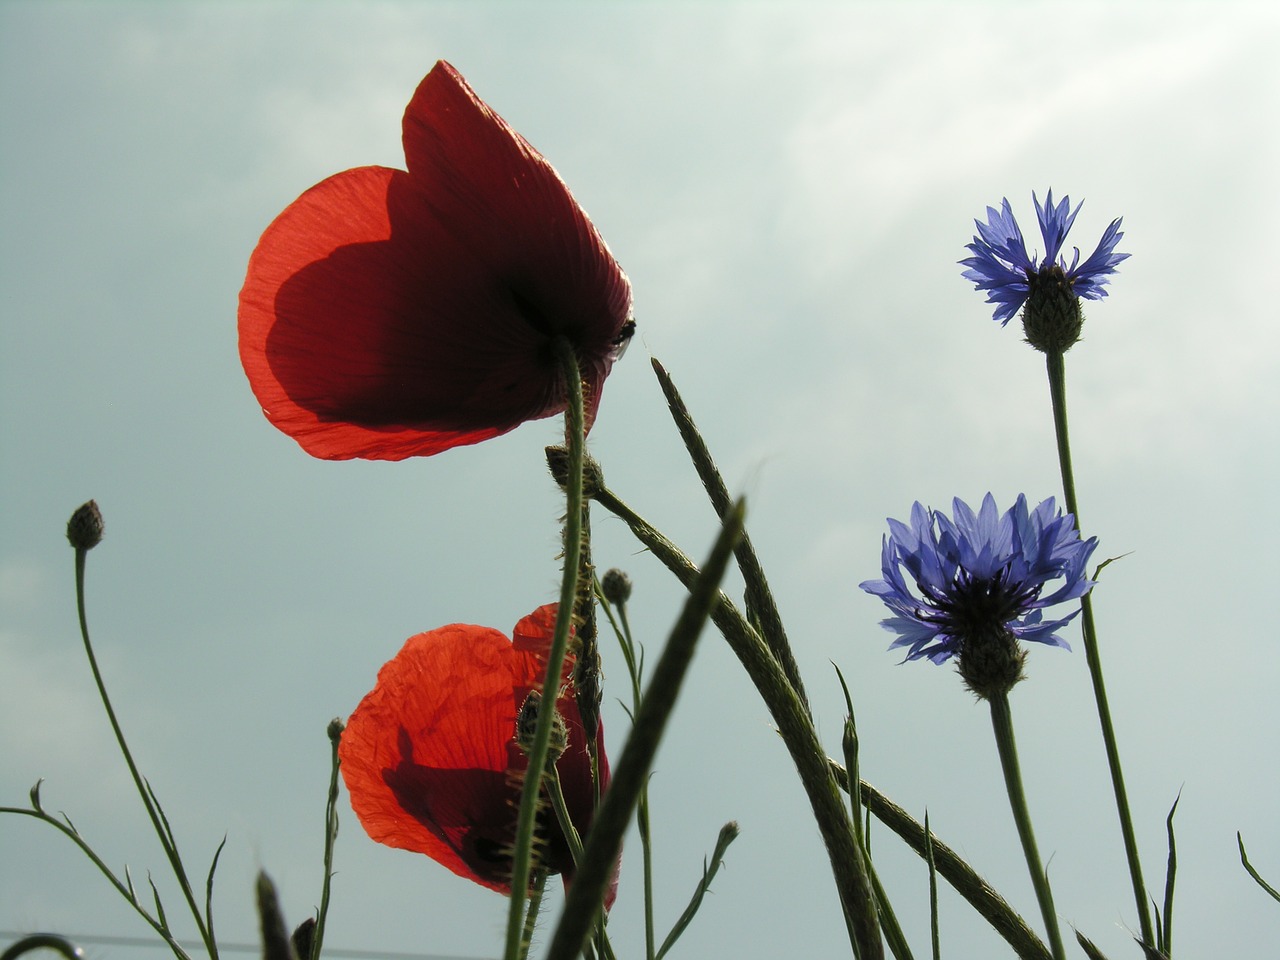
429	757
389	314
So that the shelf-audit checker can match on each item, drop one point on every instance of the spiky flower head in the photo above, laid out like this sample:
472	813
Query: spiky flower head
84	529
1050	289
980	585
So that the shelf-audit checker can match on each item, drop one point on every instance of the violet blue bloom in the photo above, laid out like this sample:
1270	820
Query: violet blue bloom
979	574
1001	266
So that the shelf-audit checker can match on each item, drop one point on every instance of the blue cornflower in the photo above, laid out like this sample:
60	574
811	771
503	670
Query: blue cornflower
1049	288
981	580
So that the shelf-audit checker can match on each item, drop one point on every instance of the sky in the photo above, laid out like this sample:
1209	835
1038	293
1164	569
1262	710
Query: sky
789	188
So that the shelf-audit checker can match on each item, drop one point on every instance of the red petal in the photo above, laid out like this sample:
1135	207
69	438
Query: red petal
425	755
388	315
428	756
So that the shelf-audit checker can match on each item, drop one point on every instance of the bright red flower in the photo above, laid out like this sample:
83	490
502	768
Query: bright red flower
389	314
429	757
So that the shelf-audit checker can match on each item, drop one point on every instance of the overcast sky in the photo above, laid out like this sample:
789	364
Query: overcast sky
789	188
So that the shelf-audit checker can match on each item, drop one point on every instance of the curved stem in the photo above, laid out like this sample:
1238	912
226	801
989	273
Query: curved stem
158	820
992	907
848	867
1058	398
43	941
1002	724
575	440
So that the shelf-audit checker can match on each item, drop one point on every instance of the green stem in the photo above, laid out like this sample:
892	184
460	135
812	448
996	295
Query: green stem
1002	723
330	837
992	907
762	611
124	888
622	629
848	867
1058	397
531	916
604	840
575	440
158	821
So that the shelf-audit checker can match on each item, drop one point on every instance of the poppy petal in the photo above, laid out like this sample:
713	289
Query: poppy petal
388	314
429	758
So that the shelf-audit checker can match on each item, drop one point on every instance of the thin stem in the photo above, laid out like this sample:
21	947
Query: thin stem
125	888
158	821
531	916
762	610
575	441
629	776
796	728
330	837
622	629
1058	398
556	794
963	878
1002	724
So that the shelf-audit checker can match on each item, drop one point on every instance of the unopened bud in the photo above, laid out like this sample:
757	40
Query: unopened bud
84	529
527	727
592	475
335	728
616	586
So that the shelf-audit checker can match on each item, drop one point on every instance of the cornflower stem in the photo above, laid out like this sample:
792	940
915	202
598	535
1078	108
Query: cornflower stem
622	628
1002	724
1058	397
963	878
893	934
848	866
575	441
158	820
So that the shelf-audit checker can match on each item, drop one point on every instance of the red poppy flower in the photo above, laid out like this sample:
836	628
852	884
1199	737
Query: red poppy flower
389	314
429	757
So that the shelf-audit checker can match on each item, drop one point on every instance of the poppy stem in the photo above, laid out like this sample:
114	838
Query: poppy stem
1002	724
330	838
1058	398
531	916
575	440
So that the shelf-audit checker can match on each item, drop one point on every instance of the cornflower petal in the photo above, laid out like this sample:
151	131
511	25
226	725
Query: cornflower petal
973	574
1001	267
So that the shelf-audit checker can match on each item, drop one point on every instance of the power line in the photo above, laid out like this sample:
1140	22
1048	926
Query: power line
106	940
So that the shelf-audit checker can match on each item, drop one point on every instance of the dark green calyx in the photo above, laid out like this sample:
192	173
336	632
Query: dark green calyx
1051	318
558	464
991	662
